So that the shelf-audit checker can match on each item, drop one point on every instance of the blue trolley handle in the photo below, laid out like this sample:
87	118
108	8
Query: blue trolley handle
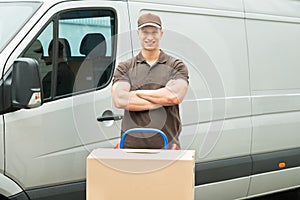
145	130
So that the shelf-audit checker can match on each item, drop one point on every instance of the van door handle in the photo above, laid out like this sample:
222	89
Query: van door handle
109	118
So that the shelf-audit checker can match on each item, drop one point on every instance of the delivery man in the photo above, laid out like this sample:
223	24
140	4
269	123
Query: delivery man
150	87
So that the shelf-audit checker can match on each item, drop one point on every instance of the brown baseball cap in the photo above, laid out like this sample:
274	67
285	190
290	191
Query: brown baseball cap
149	19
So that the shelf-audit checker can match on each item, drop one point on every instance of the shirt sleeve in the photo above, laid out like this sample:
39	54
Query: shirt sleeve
180	71
121	73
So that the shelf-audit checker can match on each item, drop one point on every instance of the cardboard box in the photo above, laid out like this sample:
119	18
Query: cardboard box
131	174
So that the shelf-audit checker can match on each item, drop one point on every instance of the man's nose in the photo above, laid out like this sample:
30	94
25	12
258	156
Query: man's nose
150	36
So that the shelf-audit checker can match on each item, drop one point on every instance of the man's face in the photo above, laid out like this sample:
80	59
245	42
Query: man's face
150	37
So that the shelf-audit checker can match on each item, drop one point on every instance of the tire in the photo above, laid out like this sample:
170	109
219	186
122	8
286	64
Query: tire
2	197
297	192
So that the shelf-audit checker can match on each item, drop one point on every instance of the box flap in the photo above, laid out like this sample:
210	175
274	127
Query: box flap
142	154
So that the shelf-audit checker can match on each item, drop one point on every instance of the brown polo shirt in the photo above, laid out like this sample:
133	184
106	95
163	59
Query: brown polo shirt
142	76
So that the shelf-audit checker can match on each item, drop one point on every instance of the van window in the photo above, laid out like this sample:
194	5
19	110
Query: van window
18	13
76	52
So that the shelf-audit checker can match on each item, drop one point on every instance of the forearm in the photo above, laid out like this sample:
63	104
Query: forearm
161	96
130	101
172	94
135	103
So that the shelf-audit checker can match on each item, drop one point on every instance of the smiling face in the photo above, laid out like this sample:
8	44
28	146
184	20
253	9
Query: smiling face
150	37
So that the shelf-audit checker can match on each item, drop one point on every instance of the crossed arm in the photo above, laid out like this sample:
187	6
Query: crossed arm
139	100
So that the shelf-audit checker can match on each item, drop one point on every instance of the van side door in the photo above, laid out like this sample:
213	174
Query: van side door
210	38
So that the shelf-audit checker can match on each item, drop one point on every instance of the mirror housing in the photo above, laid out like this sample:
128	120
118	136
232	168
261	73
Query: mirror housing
26	87
21	86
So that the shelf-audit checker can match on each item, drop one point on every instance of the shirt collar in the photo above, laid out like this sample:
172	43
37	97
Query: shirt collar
162	57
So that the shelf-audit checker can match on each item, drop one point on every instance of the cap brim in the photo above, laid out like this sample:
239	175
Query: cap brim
149	24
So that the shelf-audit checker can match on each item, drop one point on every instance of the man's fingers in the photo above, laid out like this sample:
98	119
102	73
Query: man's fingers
175	147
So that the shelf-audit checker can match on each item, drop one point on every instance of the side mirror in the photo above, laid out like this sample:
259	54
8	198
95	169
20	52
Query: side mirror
21	86
26	87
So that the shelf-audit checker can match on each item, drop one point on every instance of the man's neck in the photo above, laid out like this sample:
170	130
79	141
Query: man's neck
151	56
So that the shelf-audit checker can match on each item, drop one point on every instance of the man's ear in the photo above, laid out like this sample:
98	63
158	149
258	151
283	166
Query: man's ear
161	33
138	32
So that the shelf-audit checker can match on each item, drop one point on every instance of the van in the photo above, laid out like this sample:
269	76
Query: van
240	114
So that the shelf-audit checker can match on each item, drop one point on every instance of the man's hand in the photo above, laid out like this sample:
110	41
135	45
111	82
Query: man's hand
175	147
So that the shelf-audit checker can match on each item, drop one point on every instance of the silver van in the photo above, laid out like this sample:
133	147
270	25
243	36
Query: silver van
241	113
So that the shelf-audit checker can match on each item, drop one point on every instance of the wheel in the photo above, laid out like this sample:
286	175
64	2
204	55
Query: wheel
297	192
2	197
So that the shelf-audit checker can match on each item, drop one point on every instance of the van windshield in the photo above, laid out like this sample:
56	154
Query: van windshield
13	15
